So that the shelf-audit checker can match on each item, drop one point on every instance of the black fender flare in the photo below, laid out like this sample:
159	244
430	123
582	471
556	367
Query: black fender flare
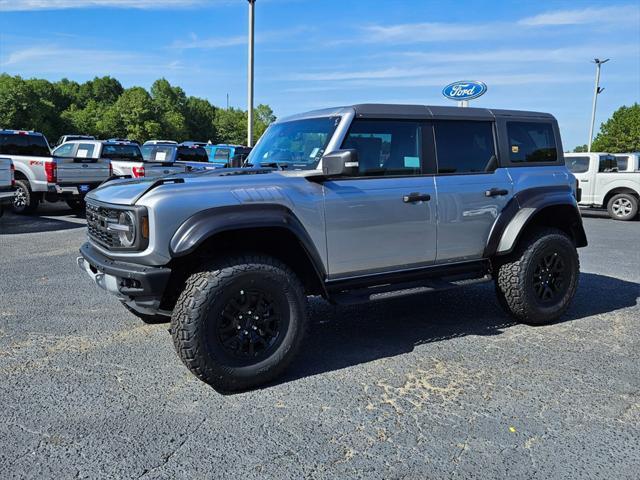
523	208
207	223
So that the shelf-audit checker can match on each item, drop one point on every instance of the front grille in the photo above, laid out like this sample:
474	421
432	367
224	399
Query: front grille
98	218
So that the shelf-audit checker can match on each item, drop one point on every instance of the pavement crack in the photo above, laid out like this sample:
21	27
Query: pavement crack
173	452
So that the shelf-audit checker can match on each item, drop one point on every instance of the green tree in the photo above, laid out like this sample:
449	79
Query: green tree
263	118
133	116
580	149
621	133
231	126
171	105
15	103
200	118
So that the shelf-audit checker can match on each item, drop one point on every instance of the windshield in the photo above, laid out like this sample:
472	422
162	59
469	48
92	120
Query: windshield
296	145
122	152
158	153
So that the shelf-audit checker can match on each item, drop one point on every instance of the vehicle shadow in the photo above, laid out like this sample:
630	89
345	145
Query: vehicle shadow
350	335
48	221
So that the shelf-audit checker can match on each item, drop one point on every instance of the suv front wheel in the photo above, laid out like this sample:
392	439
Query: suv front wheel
538	281
240	322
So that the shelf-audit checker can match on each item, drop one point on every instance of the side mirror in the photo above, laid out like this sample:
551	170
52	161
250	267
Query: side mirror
340	163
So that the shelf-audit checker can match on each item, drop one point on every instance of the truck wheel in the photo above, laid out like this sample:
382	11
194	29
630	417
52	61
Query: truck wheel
149	319
240	322
537	283
76	204
623	206
24	201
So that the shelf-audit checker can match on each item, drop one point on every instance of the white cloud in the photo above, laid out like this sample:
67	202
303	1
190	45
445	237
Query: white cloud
611	15
426	32
51	59
22	5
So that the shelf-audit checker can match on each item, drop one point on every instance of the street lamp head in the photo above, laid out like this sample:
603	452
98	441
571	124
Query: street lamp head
597	61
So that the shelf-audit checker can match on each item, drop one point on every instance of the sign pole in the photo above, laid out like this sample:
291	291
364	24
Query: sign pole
596	92
250	76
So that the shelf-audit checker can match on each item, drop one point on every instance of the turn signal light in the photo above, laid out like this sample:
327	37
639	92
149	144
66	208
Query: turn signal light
138	172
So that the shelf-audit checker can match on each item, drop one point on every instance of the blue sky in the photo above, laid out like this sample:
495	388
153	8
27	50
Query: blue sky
317	53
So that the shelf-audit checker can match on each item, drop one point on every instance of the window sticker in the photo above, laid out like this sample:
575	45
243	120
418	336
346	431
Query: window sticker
82	153
412	162
160	156
515	148
314	152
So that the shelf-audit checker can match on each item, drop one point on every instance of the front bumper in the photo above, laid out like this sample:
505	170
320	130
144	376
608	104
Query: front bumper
139	286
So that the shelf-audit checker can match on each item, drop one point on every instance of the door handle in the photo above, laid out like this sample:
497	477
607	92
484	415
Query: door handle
584	180
416	197
494	192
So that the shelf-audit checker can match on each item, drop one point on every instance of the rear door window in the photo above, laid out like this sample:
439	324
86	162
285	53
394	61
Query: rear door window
222	154
85	150
607	164
531	142
27	145
187	154
64	151
122	152
577	164
623	163
465	146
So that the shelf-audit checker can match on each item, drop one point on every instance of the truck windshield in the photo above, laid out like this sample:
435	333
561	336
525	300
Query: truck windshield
158	153
295	145
122	152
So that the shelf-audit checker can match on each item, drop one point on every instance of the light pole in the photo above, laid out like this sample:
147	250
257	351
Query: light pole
252	6
597	90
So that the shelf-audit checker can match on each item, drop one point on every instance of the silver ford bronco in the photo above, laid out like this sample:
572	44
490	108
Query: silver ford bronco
354	204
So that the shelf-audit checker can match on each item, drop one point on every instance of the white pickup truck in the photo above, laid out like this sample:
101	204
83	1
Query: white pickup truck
602	184
42	176
126	158
7	183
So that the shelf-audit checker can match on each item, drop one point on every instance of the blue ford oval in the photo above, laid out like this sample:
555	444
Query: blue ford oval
464	90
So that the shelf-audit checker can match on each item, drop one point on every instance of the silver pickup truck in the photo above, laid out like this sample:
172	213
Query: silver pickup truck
125	157
41	175
7	183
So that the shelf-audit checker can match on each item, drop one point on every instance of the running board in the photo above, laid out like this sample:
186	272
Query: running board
386	292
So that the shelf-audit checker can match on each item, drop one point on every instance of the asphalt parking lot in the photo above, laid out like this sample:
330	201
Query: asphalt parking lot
436	386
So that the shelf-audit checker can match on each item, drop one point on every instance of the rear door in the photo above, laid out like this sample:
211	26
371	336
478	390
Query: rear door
78	164
384	217
472	190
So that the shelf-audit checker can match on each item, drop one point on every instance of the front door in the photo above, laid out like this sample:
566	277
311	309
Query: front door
383	218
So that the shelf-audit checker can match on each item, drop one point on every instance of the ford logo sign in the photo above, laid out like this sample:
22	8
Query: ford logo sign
464	90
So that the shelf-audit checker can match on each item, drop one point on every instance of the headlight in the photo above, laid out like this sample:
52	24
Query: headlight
127	236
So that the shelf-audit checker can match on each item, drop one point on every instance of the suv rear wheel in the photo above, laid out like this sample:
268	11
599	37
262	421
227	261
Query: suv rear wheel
623	206
24	200
537	283
240	322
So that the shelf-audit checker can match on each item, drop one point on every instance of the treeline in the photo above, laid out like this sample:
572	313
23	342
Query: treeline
104	108
619	134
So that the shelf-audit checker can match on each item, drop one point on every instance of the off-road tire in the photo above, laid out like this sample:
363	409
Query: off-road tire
149	319
198	316
25	201
76	204
623	206
516	276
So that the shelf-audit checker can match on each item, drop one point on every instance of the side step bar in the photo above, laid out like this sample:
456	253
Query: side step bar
386	292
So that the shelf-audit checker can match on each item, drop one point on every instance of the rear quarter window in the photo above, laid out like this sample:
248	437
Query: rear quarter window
531	142
188	154
27	145
577	164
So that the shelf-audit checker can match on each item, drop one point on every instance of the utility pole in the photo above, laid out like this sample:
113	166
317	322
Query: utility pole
597	91
227	101
252	6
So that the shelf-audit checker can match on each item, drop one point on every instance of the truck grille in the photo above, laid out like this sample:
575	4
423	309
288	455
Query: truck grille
98	219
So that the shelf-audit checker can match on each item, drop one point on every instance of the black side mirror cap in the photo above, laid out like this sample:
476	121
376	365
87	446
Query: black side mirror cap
340	163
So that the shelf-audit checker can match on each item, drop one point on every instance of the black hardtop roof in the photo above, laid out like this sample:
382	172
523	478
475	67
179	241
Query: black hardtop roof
382	110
